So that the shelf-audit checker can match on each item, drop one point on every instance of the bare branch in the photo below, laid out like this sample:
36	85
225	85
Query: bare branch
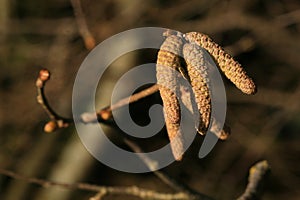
152	164
106	113
89	40
132	190
257	174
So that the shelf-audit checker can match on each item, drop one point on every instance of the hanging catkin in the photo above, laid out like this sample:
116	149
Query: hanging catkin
231	68
167	64
197	72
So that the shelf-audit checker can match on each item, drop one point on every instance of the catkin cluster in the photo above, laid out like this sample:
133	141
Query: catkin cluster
195	69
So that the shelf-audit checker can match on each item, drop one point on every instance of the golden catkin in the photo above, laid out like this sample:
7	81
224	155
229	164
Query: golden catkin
167	63
176	139
231	68
197	72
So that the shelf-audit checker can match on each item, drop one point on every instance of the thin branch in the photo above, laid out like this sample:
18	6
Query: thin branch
46	183
152	164
56	120
104	115
257	174
89	40
135	97
132	190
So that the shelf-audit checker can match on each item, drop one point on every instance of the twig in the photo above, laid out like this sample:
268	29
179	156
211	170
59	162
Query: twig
106	113
257	174
46	183
152	164
89	40
131	190
56	121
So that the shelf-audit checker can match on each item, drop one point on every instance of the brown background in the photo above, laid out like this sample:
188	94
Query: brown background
262	35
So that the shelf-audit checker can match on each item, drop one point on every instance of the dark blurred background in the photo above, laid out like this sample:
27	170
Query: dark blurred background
264	36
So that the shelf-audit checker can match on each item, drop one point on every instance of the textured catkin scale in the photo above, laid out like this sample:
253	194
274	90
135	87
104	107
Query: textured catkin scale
176	139
231	68
167	63
197	71
186	95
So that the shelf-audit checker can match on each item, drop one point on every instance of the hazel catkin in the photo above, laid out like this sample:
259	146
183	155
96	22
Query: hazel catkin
167	63
197	72
231	68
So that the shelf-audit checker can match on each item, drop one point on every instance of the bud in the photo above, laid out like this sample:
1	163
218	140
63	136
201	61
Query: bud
44	75
50	126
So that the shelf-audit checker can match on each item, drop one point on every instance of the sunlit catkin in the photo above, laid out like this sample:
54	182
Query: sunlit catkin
167	63
197	72
231	68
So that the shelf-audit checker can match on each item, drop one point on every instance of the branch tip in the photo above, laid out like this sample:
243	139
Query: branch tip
51	126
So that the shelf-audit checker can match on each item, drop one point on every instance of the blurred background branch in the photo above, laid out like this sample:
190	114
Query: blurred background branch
257	175
262	35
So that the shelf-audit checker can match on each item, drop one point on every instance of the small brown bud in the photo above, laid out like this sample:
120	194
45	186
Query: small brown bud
50	126
44	75
231	68
105	114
